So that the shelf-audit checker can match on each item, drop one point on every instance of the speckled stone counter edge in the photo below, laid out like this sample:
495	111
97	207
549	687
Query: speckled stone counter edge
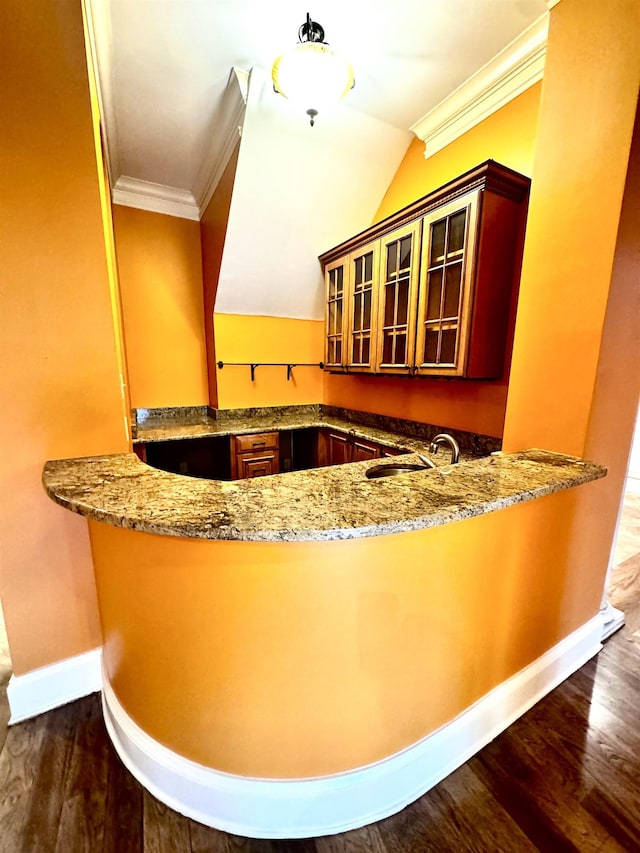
321	504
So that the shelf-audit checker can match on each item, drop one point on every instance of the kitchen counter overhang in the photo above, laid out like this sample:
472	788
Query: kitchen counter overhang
337	502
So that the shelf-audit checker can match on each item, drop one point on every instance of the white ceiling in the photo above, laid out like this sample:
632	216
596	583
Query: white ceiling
298	191
164	64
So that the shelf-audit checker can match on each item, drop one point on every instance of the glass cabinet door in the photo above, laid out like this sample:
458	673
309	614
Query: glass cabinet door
336	283
362	308
398	294
448	242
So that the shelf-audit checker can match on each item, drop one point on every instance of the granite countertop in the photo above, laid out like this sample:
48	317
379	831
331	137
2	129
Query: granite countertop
164	425
160	430
338	502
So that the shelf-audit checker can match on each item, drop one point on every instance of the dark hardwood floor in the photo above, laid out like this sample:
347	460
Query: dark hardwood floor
565	777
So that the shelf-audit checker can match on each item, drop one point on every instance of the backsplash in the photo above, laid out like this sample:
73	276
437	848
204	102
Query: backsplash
265	411
168	414
472	444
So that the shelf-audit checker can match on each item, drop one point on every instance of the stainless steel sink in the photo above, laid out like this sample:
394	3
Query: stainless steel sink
394	469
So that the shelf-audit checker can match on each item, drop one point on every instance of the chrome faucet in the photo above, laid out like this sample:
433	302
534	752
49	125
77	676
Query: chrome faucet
445	438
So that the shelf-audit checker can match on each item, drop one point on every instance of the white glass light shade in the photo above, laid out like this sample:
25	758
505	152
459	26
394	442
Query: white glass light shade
312	75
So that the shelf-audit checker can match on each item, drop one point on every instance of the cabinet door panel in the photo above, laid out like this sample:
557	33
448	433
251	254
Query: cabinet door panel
399	265
343	448
362	301
339	448
446	287
336	280
258	465
363	450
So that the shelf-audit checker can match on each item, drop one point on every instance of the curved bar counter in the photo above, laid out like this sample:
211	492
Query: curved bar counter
304	653
336	502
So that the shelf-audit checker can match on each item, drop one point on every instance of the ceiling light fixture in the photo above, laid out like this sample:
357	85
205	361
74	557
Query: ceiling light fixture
312	74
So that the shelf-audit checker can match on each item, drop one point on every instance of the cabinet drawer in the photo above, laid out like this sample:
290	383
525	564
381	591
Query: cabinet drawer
256	441
258	464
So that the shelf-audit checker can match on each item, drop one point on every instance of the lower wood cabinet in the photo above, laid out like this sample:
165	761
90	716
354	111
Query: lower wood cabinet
338	448
260	454
256	455
363	450
256	465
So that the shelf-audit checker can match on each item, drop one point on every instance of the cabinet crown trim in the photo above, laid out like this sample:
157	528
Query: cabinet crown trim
489	175
156	198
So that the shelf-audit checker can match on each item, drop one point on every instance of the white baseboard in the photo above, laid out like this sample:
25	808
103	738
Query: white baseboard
301	808
612	620
51	686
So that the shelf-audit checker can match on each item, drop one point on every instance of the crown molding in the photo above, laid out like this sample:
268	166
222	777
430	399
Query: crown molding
224	138
507	75
131	192
98	21
157	198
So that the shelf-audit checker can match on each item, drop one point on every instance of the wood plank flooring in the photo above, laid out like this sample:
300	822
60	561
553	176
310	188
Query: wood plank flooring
565	777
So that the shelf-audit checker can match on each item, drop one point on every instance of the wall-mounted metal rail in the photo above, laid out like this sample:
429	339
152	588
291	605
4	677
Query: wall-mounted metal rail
288	364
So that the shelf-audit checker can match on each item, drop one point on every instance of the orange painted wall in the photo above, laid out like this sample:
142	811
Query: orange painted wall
575	382
60	382
160	271
579	176
246	338
305	659
213	230
508	136
616	393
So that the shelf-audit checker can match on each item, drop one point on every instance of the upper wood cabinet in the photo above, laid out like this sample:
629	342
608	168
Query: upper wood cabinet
428	290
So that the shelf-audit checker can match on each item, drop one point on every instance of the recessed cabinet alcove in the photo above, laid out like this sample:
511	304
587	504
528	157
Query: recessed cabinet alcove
248	455
429	290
